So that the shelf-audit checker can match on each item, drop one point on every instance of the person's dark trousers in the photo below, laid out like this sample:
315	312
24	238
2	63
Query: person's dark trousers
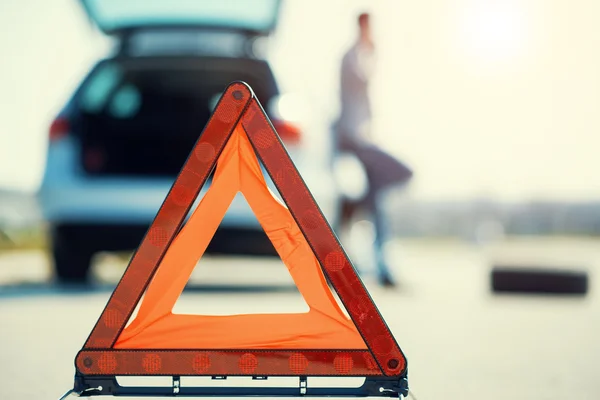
383	171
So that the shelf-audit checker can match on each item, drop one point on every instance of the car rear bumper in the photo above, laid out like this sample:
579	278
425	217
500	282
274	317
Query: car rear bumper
111	204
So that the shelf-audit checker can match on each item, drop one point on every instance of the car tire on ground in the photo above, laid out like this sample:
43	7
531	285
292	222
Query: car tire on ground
538	280
72	259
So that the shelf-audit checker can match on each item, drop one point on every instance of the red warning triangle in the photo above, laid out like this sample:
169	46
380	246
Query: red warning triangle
321	342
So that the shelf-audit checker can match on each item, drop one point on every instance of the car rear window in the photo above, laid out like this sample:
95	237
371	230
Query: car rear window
122	88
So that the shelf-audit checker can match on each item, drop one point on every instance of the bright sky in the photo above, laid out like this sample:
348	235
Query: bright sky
482	97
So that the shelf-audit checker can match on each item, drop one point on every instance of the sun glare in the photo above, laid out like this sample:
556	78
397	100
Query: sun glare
493	30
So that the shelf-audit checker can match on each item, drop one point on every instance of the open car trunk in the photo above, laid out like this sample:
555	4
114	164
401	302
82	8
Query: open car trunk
142	116
117	16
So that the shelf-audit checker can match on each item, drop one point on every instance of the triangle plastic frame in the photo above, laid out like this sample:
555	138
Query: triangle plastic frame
383	364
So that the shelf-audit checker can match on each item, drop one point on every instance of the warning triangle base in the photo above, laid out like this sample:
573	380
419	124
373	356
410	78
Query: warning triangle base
372	387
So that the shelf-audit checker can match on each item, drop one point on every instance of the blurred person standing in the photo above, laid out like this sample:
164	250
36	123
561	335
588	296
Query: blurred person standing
353	135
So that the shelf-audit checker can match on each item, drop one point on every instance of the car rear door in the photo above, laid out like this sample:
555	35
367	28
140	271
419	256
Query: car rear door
114	17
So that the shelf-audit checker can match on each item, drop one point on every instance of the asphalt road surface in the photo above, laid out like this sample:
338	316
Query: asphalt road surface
461	341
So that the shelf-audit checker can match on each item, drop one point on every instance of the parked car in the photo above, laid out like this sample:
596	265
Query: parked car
118	144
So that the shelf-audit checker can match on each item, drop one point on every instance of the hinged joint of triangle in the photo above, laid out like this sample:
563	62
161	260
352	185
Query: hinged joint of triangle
372	352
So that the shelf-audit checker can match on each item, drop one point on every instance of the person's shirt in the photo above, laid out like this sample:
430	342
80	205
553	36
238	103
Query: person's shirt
356	70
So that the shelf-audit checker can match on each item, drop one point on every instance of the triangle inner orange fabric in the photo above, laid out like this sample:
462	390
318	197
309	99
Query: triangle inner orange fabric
322	342
325	326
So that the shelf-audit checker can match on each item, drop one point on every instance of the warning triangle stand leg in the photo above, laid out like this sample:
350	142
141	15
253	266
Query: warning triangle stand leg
69	393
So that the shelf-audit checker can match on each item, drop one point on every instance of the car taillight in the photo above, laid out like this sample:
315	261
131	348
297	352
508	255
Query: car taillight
59	128
289	132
